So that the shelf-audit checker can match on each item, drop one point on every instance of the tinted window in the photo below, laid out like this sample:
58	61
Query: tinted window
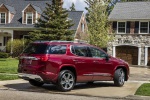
36	49
96	53
80	50
57	49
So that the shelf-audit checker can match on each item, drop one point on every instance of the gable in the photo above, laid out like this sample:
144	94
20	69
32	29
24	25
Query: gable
3	9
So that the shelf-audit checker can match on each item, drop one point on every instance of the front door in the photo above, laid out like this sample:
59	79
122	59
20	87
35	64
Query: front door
101	65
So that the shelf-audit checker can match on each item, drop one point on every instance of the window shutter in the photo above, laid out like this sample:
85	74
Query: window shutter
128	27
136	30
114	26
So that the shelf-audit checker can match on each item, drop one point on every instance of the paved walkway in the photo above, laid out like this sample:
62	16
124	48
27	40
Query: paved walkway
101	89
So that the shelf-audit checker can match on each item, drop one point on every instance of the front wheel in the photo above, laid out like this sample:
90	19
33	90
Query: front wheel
119	77
66	80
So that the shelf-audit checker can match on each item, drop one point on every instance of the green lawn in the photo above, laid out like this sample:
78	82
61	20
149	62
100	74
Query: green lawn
143	90
8	66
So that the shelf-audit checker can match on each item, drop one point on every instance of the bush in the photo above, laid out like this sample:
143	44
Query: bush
17	46
3	55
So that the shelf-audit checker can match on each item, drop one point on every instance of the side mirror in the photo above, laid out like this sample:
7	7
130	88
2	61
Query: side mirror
107	58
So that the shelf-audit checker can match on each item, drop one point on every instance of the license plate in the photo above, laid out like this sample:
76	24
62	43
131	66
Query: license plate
27	61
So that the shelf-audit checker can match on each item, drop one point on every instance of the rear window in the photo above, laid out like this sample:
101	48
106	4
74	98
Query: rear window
36	49
57	49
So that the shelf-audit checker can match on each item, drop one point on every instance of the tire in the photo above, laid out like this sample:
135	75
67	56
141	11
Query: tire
119	77
66	81
35	83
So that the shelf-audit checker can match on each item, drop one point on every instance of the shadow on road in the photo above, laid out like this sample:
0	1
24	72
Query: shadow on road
53	88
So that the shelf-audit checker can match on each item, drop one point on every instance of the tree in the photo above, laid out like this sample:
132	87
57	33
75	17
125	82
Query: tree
53	24
72	8
97	22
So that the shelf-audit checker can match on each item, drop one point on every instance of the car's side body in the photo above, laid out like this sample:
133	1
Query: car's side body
81	59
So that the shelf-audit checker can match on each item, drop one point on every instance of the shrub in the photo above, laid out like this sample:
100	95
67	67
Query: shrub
3	55
17	46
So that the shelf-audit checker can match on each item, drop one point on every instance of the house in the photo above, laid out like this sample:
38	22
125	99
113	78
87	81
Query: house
130	21
17	19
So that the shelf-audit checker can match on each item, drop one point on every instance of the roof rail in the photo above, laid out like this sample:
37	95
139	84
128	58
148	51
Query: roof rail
40	41
61	41
75	41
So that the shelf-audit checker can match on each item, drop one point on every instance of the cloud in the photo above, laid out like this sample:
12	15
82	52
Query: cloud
79	4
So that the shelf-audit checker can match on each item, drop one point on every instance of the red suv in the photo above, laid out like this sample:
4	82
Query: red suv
65	63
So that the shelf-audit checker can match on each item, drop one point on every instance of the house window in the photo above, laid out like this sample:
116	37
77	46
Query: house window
82	27
29	18
5	40
2	18
144	27
121	27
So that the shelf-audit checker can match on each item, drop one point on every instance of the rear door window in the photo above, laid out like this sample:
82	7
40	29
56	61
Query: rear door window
79	50
57	49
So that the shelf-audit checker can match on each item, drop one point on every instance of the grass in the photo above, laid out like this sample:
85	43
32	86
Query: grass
8	66
8	77
143	90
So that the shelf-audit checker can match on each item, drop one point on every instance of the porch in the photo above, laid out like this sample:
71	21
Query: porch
5	36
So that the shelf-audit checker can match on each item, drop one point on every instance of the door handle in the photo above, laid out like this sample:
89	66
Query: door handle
75	60
96	61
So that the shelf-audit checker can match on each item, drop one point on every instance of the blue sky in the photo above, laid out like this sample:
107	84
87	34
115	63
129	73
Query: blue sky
79	4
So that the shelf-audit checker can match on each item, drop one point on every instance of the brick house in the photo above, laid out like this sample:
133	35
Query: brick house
131	25
17	19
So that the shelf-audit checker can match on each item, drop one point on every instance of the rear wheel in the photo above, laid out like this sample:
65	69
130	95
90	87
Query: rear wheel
119	77
35	83
66	80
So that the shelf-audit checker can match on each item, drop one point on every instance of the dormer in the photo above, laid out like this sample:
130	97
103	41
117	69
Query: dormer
6	13
30	14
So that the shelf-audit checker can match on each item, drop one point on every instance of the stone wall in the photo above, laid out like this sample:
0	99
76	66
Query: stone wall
140	41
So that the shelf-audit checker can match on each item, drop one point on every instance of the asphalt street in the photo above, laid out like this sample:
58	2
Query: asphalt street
22	90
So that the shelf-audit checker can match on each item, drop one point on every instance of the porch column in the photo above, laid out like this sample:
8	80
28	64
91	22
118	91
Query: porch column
12	37
114	51
139	55
146	55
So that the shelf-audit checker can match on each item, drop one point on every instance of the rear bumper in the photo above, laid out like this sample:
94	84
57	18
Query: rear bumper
30	76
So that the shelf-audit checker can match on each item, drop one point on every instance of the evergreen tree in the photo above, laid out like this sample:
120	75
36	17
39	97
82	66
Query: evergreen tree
53	24
72	8
97	22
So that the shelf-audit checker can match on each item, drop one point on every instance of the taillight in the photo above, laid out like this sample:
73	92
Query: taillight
44	58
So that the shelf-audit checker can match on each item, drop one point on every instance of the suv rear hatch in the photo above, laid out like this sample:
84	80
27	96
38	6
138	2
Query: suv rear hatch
33	58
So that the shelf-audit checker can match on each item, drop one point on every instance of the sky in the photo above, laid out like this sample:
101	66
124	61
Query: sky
79	4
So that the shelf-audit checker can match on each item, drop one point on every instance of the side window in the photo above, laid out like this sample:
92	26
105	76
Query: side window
96	53
57	49
80	50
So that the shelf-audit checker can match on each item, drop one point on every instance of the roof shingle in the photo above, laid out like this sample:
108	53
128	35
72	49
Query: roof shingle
39	5
130	11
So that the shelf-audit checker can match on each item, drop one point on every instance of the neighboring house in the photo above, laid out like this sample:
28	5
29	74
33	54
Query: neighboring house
131	25
17	19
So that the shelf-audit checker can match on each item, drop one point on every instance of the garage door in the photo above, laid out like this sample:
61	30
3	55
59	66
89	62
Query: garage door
128	53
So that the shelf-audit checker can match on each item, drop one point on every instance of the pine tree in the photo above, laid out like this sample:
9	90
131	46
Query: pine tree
53	24
72	8
97	22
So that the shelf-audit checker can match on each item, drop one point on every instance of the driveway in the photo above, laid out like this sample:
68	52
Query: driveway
98	89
